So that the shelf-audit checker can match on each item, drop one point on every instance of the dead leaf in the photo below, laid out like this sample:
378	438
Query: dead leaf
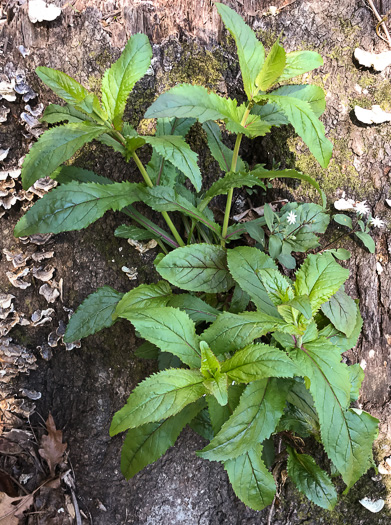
11	509
52	446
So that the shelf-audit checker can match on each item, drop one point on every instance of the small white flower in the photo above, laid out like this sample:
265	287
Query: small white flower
291	218
344	205
362	208
376	222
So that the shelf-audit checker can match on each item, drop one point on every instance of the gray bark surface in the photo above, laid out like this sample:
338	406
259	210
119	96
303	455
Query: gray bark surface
83	387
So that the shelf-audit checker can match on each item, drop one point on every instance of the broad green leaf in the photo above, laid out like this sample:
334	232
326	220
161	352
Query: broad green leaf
220	414
160	198
67	174
307	126
356	377
174	126
254	126
300	415
347	436
75	206
253	420
341	254
120	79
277	287
258	361
271	114
367	241
232	332
250	479
108	140
201	424
159	396
300	62
319	277
209	362
251	52
311	480
272	68
313	95
339	339
218	387
275	246
54	114
179	154
269	216
147	351
344	220
302	304
166	360
186	101
133	232
170	329
54	147
144	296
244	264
93	314
255	230
63	85
239	301
197	268
342	312
218	149
226	183
146	444
310	219
197	309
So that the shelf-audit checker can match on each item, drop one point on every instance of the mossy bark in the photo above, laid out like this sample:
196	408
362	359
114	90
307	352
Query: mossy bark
83	388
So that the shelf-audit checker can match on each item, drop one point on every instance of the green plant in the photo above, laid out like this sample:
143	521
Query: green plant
245	354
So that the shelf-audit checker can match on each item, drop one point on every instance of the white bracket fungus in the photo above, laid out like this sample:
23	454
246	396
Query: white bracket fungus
379	61
372	116
40	11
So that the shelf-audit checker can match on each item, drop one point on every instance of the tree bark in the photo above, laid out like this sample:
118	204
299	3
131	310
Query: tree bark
83	387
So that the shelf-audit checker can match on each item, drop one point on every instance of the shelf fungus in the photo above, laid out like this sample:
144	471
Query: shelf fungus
44	274
372	116
16	278
49	292
378	61
14	359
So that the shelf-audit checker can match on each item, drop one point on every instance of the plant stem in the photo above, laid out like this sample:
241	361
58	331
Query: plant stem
149	183
233	168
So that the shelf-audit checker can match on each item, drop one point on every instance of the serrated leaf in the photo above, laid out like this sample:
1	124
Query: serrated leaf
254	126
160	198
250	479
218	388
367	241
258	361
174	126
197	309
54	147
179	154
220	414
313	95
339	339
244	264
186	101
239	301
347	436
93	314
75	206
272	68
170	329
120	79
302	304
319	277
232	332
146	444
251	52
67	174
300	415
159	396
201	424
253	420
226	183
218	149
307	126
340	218
311	480
342	312
133	232
277	287
144	296
197	268
54	114
63	85
356	377
209	362
299	62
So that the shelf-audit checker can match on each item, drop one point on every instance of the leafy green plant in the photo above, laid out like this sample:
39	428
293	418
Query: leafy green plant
245	354
275	371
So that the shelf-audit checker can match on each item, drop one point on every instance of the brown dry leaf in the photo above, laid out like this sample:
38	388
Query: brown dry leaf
52	446
11	509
